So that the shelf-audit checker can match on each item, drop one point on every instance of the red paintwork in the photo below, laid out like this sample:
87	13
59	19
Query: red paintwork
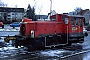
26	20
54	26
79	28
44	28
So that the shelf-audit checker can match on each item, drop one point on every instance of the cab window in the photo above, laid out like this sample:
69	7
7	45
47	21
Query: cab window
53	18
74	21
80	22
77	21
65	19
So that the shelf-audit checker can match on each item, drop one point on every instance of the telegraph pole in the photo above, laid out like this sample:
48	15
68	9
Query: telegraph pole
15	12
51	6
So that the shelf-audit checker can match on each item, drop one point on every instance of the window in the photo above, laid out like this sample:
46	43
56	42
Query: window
9	15
53	18
80	22
77	21
74	21
64	17
12	13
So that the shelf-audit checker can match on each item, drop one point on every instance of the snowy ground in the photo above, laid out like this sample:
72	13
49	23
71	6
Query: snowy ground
8	28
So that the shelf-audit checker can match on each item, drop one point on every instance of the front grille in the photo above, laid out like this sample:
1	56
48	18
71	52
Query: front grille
76	34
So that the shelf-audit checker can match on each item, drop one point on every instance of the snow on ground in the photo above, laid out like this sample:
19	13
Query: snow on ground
8	28
53	52
16	29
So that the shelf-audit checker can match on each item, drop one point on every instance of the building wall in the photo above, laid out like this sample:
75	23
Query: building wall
15	16
87	16
11	14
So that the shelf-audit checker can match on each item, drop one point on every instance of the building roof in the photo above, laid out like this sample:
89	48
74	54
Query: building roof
76	15
83	11
8	9
41	16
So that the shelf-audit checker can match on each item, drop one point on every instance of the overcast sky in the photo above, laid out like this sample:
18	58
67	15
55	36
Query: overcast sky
60	6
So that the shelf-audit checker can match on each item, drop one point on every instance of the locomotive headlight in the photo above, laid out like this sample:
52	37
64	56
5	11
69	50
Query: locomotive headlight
32	33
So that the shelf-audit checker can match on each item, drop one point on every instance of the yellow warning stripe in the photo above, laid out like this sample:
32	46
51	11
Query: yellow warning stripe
7	39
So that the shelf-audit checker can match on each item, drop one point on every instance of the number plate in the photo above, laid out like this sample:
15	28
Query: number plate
74	28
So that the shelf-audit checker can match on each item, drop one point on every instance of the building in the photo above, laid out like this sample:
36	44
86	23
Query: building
8	14
41	16
86	14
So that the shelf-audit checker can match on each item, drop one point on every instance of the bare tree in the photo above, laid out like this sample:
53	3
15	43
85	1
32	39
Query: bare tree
2	4
38	9
78	9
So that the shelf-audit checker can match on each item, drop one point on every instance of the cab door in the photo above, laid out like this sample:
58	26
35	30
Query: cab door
74	25
80	27
65	29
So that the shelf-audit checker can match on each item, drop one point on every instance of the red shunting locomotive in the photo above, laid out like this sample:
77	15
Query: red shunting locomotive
61	29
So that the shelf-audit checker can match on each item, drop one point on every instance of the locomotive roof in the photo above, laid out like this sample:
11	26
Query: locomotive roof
74	15
70	15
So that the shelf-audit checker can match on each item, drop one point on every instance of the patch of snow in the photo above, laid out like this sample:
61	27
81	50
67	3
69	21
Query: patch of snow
87	56
2	29
84	30
9	29
52	52
12	47
7	48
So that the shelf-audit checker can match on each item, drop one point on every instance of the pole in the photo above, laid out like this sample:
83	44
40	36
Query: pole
51	6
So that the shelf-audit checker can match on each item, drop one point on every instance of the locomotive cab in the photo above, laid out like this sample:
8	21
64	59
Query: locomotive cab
73	28
76	24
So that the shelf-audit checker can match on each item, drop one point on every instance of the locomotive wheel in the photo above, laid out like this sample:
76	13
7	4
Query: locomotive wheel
30	48
43	46
16	46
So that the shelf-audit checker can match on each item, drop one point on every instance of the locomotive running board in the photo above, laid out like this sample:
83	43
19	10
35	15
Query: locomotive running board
56	45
